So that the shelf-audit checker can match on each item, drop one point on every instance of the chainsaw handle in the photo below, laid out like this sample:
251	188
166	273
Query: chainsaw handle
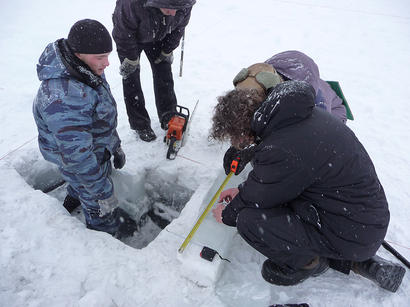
182	111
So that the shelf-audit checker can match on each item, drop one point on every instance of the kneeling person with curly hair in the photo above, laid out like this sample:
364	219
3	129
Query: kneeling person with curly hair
313	196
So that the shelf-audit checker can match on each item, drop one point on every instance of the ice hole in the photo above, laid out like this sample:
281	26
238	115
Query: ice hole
153	197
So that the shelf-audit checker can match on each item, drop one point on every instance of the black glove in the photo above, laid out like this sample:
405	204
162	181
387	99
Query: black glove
229	156
245	155
106	157
119	158
165	57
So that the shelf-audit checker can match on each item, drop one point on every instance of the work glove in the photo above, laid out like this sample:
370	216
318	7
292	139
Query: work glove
106	156
119	158
107	205
165	57
128	67
245	155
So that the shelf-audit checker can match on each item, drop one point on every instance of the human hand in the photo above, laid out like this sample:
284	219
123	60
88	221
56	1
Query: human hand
119	158
231	154
217	212
244	156
128	67
227	195
167	57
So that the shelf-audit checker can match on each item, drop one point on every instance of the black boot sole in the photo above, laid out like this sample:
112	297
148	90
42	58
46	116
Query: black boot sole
388	276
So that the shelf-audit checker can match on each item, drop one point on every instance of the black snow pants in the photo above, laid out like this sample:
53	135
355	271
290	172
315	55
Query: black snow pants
280	235
165	98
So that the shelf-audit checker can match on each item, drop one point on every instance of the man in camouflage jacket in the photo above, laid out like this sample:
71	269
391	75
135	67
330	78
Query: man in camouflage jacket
76	117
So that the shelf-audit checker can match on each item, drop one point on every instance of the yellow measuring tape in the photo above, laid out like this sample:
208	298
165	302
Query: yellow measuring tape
203	215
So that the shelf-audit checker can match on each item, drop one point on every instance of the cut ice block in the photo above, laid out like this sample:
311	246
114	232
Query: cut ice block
210	233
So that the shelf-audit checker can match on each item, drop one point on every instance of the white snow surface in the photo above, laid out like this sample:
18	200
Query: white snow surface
49	258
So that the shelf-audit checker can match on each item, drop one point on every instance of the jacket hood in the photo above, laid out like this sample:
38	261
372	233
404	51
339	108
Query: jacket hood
287	104
171	4
50	65
58	61
295	65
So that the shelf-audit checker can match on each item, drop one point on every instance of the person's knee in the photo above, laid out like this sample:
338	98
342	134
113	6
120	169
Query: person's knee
258	224
246	220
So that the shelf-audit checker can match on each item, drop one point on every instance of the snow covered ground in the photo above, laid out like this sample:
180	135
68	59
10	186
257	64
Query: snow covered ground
48	258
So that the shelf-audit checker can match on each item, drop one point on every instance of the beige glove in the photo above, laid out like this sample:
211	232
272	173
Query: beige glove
128	67
167	57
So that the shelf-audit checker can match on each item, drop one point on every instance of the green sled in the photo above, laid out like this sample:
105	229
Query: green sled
338	90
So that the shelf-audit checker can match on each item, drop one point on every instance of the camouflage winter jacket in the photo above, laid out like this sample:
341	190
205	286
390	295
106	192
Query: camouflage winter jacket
140	22
76	117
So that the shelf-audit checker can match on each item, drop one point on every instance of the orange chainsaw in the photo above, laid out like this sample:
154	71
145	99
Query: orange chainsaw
176	128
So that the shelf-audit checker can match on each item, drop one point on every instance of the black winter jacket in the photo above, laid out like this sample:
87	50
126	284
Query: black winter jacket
313	163
140	21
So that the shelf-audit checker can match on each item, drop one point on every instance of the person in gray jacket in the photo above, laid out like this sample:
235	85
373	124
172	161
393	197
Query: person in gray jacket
76	117
155	27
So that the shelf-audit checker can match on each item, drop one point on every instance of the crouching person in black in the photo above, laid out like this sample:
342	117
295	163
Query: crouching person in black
313	197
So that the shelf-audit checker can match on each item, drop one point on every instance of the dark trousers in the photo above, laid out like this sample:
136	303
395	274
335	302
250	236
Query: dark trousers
165	98
280	235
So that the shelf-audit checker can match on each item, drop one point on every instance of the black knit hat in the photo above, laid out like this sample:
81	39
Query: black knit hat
90	37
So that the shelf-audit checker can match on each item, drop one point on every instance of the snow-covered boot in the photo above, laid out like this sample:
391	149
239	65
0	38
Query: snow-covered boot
71	203
127	226
278	275
386	274
146	134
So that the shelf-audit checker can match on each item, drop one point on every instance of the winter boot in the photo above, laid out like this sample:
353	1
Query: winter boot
278	275
118	223
127	226
71	203
146	134
386	274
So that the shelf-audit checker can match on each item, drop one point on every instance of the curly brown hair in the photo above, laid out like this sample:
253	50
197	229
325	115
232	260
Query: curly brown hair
233	115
